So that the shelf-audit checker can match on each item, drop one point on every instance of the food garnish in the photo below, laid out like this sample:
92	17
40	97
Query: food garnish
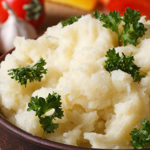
124	63
70	20
41	106
132	28
141	137
33	73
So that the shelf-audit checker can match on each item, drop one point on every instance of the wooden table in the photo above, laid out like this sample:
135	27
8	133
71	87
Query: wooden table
57	12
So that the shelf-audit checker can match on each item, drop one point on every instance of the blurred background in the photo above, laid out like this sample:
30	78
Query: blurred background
57	10
41	14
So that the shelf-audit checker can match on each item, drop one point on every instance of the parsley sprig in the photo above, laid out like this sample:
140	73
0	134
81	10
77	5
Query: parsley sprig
140	138
111	21
132	28
70	20
23	74
124	63
41	106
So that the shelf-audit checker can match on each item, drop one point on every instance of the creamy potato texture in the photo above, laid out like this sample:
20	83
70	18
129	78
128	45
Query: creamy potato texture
100	108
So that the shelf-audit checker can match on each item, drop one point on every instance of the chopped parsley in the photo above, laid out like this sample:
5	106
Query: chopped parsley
70	20
140	138
132	28
41	106
23	74
124	63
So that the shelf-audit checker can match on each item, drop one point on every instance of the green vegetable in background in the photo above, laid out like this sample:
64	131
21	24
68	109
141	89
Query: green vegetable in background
132	28
124	63
70	20
23	74
140	138
41	106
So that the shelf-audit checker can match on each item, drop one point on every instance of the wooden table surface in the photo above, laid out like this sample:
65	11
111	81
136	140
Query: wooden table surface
57	12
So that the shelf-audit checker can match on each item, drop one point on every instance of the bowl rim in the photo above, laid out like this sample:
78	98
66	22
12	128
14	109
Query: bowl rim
45	143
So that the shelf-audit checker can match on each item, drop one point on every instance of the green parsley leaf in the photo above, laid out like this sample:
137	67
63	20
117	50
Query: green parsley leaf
47	124
23	74
140	138
70	20
131	16
132	28
97	14
41	106
124	63
111	21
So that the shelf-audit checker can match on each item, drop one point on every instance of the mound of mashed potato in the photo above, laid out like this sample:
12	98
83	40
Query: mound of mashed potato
100	108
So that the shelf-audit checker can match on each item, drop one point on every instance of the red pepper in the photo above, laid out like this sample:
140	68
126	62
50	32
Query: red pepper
120	5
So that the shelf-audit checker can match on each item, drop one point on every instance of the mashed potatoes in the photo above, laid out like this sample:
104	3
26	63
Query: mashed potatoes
100	108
